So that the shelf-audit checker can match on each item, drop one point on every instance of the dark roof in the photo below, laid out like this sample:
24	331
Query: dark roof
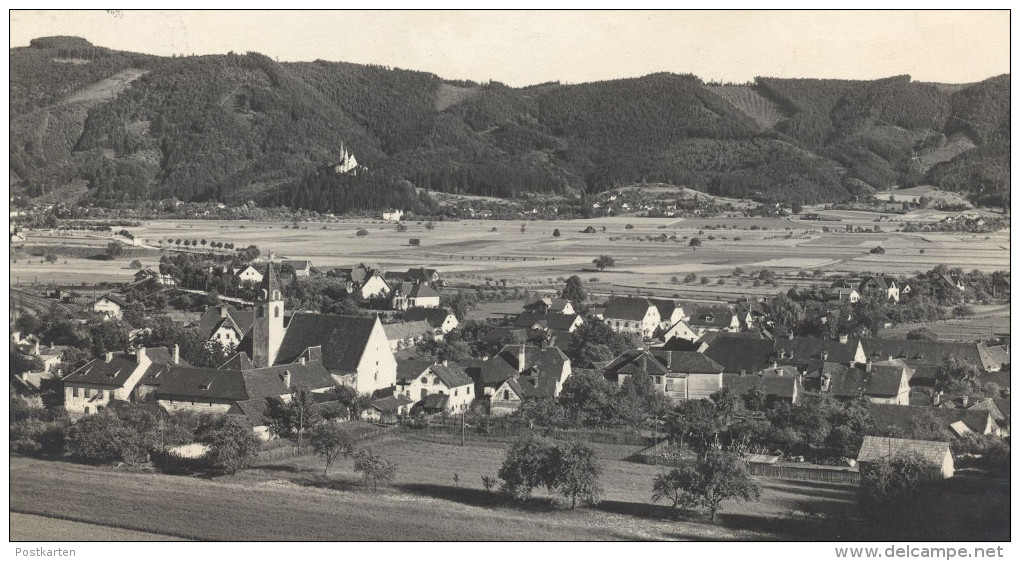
680	344
916	352
561	322
738	353
269	282
391	404
269	381
115	298
407	330
342	338
901	416
498	334
416	290
876	448
451	374
801	350
665	307
239	361
435	316
775	386
214	315
99	372
886	377
433	402
657	362
409	369
879	280
297	264
207	384
710	316
627	308
253	409
541	370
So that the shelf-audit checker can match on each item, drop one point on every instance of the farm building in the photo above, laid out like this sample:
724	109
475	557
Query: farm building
408	294
111	306
541	305
439	318
937	454
250	274
677	374
111	377
632	315
225	324
418	380
519	372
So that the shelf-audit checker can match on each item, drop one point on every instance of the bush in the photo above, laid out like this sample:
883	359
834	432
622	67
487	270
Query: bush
524	468
374	469
232	443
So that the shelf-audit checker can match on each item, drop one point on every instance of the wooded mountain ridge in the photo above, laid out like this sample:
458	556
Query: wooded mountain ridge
113	127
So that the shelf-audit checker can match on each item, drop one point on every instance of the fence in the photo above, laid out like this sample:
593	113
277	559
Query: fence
361	432
500	433
806	473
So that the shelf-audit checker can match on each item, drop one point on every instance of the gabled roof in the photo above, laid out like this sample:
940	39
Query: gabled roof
887	377
916	352
451	374
665	307
214	315
801	350
658	363
887	416
297	264
391	404
406	330
784	387
633	309
559	322
99	372
269	381
875	448
410	368
269	282
994	356
435	316
117	299
211	384
710	316
681	344
738	353
541	370
433	402
416	290
343	339
239	361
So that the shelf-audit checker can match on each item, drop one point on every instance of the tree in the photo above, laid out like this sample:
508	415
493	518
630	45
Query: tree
575	471
695	243
680	485
430	226
525	468
330	440
373	468
136	264
894	492
573	290
796	207
556	233
232	443
362	232
349	398
955	376
588	399
102	438
693	421
922	334
722	476
603	261
114	250
21	363
288	417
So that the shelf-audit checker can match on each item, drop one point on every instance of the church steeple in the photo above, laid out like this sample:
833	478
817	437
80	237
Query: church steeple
270	290
268	331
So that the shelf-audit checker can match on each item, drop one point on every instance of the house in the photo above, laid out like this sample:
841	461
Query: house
113	376
926	356
679	330
393	215
249	274
803	351
778	385
886	382
549	322
441	319
880	285
937	454
632	315
406	334
740	354
225	324
389	409
413	295
677	374
160	278
670	312
111	306
518	372
49	356
423	275
354	350
372	286
956	421
419	380
713	318
237	391
549	306
302	267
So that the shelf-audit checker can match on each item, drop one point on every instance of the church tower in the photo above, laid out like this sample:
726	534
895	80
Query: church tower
267	331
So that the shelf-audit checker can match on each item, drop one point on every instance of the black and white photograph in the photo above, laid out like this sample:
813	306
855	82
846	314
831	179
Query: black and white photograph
509	276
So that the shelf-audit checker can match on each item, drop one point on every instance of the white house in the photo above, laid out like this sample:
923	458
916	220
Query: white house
393	215
441	319
420	380
632	315
250	274
110	305
92	387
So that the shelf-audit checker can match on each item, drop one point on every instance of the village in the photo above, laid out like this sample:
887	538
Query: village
796	385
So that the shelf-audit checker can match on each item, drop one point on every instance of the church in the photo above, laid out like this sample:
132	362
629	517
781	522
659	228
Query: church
354	350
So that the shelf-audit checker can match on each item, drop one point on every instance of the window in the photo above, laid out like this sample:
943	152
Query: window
424	379
506	395
74	392
424	392
276	311
86	409
261	312
375	376
469	390
455	391
88	392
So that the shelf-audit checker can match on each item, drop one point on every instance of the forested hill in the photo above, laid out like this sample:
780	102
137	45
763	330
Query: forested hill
115	127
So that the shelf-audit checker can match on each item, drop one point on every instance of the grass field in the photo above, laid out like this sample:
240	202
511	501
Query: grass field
469	252
29	527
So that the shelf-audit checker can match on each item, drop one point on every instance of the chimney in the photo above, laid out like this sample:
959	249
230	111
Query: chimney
867	366
177	353
966	401
843	338
445	362
286	378
521	354
109	357
890	357
303	360
140	355
223	312
825	355
37	353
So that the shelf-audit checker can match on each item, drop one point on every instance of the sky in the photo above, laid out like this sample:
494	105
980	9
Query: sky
528	47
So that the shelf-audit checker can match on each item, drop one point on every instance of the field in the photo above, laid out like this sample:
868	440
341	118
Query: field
291	501
29	527
469	252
